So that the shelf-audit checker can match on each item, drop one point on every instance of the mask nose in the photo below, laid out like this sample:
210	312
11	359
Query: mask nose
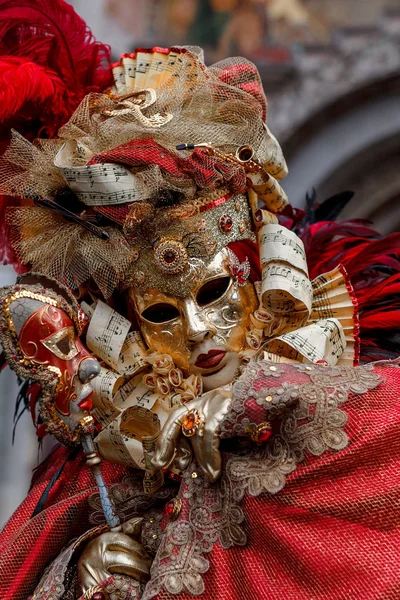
198	328
88	370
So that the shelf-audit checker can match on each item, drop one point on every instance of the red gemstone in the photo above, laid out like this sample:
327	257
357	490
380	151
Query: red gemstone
169	257
14	357
17	288
169	508
322	362
98	596
34	371
264	435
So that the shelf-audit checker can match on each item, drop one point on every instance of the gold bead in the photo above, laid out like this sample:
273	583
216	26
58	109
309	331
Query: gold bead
308	369
268	398
155	536
151	520
272	368
194	475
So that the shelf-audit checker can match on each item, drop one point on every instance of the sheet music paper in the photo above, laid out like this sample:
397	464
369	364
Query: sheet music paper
119	78
285	287
323	340
157	66
115	447
133	355
332	299
143	60
268	190
121	441
105	386
136	393
129	66
106	334
97	185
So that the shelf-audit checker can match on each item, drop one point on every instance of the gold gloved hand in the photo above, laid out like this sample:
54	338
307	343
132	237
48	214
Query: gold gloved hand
111	553
213	407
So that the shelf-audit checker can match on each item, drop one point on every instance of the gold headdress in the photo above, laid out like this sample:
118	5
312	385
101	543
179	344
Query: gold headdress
169	124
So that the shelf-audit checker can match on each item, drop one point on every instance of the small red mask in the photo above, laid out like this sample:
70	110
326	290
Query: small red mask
48	338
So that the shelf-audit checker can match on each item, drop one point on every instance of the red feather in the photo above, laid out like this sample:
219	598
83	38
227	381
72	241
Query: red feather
23	82
59	57
373	264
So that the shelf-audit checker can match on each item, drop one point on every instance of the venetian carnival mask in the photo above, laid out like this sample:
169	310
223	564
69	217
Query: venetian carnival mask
205	330
42	336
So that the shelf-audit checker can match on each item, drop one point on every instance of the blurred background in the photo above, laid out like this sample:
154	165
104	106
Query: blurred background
331	73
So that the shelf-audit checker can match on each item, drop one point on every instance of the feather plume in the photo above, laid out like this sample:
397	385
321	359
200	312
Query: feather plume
373	264
48	55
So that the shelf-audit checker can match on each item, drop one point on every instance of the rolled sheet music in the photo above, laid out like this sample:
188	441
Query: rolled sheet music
106	334
133	355
105	386
122	440
119	78
129	66
97	185
268	190
323	340
136	393
285	286
273	162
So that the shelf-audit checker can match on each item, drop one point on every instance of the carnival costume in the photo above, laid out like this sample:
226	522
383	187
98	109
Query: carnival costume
195	353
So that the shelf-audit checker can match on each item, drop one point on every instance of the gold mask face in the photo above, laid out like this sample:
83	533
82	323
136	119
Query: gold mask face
205	330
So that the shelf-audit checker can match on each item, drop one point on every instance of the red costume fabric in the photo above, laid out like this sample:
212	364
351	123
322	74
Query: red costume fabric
332	532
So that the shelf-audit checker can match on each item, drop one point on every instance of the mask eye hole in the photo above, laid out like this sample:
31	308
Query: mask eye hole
213	290
161	313
64	344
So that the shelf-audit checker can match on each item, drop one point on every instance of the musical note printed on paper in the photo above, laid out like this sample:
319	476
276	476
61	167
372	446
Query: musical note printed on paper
106	334
133	355
136	393
323	340
105	386
285	289
106	184
277	243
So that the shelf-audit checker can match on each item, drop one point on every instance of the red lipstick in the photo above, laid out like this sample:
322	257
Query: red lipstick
210	360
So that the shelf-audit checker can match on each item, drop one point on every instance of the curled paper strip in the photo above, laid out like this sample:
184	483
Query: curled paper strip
105	386
122	440
109	338
285	287
136	393
268	190
323	340
133	355
96	185
274	162
106	334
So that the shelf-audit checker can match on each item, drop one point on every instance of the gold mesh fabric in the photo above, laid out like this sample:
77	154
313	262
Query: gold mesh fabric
67	252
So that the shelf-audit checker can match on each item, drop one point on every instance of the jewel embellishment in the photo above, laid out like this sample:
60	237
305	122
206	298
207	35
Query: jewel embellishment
259	433
173	508
240	271
225	224
191	422
170	256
